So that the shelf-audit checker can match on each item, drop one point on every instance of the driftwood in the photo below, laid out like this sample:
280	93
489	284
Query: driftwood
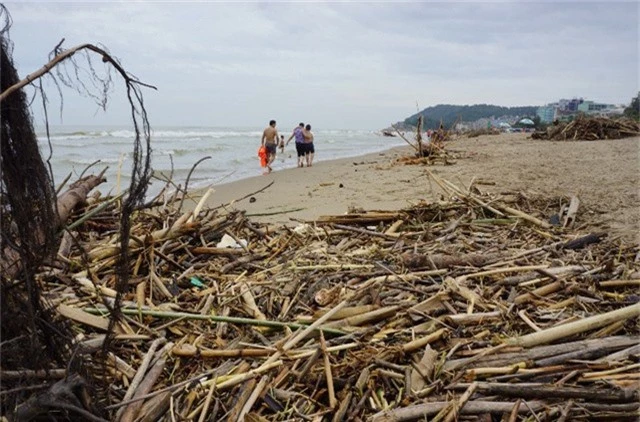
541	353
477	407
66	397
584	241
566	330
76	195
345	322
585	128
67	202
32	227
541	391
437	261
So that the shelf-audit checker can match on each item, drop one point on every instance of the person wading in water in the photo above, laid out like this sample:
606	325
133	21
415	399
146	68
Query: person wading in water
299	135
270	141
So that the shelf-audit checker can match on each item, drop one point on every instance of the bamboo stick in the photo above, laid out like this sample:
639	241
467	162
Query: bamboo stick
423	341
577	327
460	403
475	407
207	403
327	370
247	390
214	318
253	398
619	283
524	216
144	386
238	379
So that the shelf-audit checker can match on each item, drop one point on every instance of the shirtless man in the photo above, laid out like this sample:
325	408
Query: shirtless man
270	141
308	142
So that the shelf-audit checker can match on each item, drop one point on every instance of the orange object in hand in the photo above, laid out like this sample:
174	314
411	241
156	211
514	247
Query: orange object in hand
262	154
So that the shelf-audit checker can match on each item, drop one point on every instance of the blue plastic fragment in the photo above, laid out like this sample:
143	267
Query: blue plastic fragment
195	281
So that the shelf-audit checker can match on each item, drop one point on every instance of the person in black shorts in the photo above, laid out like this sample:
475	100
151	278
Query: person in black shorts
309	149
298	133
270	140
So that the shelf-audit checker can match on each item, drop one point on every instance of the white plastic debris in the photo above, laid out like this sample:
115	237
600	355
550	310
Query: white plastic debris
302	228
229	242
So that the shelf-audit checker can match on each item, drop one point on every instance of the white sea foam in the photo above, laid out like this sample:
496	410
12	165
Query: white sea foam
233	151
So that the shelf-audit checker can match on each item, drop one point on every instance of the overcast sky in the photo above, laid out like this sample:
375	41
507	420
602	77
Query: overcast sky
352	65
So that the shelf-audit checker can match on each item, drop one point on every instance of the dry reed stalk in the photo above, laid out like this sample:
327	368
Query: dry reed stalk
459	404
252	398
404	335
240	378
423	341
130	412
558	332
140	373
327	370
247	390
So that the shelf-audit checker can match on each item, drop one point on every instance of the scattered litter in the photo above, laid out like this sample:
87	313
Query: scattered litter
229	242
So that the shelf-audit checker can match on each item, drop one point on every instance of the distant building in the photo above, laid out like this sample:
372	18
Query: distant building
566	109
569	105
593	107
547	113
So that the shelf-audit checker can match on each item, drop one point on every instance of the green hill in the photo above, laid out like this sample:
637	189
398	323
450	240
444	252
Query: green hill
449	114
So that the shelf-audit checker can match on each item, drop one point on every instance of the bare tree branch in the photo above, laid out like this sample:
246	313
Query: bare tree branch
64	55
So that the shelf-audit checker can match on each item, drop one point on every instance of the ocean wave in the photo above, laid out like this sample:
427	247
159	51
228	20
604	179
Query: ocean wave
165	152
204	134
185	134
54	144
180	173
86	161
127	134
345	132
181	152
233	151
80	134
82	141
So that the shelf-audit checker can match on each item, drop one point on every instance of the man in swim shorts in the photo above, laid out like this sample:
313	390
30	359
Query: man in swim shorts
270	141
309	150
300	145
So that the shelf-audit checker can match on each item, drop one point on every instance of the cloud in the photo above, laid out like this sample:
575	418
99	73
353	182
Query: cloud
341	64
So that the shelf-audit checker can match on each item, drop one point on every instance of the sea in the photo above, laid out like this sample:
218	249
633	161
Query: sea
228	153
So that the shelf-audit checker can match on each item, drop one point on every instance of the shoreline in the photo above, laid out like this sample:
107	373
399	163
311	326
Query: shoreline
293	193
603	174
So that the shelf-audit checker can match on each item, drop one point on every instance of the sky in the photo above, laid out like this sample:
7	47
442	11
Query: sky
338	65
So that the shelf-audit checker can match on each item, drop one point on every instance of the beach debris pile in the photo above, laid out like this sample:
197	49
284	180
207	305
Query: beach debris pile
484	131
429	149
471	308
589	129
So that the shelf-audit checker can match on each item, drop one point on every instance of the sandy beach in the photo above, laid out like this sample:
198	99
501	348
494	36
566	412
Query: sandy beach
603	174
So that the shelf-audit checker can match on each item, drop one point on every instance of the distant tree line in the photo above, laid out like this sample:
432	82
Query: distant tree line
633	111
449	114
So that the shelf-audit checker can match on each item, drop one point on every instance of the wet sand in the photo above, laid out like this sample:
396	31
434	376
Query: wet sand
605	175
